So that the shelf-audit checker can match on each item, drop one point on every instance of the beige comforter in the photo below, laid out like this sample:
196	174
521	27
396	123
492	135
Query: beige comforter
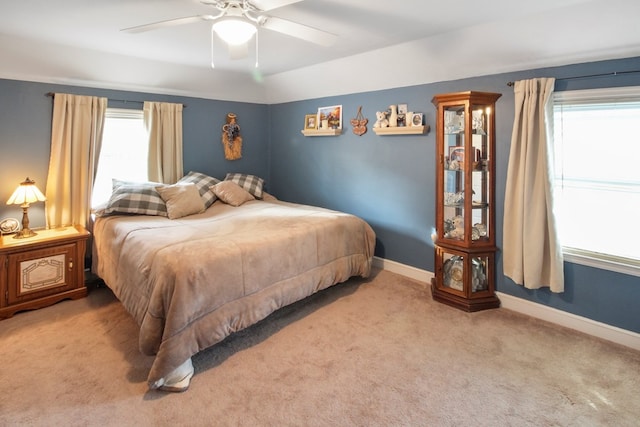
191	282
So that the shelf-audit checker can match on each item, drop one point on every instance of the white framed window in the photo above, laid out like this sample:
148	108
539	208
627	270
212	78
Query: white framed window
124	152
597	176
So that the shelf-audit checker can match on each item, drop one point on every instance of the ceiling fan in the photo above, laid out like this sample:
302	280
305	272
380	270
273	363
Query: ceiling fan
237	21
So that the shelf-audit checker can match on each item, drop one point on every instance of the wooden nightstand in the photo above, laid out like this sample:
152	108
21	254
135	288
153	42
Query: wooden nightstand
39	271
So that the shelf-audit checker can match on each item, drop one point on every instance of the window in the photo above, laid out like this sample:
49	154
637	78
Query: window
597	170
124	151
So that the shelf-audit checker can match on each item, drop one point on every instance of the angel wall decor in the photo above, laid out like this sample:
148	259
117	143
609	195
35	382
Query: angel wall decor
231	139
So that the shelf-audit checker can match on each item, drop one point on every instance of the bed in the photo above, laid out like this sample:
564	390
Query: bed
192	280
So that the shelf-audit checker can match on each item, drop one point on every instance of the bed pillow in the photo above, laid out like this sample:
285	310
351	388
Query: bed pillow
267	197
136	198
231	193
251	183
181	200
203	184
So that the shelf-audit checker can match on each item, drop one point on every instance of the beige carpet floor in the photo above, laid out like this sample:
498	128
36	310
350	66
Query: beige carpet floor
375	352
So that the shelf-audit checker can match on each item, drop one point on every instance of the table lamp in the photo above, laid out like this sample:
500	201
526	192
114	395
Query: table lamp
26	193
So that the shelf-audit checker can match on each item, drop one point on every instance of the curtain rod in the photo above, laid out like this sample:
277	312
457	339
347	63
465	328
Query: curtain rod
52	94
615	73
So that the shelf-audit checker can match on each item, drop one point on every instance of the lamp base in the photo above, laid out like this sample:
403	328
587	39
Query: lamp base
24	233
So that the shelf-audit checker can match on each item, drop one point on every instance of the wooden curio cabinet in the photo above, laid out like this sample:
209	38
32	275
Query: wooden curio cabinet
465	202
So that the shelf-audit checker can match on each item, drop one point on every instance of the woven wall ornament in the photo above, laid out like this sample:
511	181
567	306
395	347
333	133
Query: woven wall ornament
359	123
231	139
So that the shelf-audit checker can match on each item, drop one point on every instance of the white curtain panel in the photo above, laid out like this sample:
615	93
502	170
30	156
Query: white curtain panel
532	253
163	122
76	139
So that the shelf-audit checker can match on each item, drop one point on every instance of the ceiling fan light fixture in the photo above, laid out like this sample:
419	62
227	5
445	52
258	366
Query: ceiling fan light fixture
234	31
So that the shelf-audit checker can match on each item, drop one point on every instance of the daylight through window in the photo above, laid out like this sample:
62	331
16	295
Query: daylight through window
124	151
597	170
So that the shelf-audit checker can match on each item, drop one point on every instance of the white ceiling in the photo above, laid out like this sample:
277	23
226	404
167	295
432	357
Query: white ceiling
414	41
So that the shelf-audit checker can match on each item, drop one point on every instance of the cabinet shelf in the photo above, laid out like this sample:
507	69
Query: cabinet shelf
402	130
474	205
321	132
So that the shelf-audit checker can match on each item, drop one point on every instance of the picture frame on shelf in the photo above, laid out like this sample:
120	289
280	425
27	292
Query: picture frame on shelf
329	117
311	122
416	119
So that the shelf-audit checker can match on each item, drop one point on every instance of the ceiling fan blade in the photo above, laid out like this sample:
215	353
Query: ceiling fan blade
300	31
169	23
238	51
266	5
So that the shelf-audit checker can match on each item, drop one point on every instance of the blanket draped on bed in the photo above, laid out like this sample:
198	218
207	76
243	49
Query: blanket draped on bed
191	282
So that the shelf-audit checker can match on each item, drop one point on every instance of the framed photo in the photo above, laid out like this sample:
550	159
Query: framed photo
311	121
402	108
416	119
330	117
457	157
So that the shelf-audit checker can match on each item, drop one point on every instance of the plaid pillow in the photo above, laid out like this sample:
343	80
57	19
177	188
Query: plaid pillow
251	183
141	199
203	184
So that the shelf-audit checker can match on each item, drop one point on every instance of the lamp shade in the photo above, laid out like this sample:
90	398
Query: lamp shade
234	31
26	193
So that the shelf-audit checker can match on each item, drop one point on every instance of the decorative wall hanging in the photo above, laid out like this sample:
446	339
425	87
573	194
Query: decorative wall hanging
231	139
359	123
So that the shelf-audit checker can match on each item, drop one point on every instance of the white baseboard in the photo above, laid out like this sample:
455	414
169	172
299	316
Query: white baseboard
539	311
572	321
402	269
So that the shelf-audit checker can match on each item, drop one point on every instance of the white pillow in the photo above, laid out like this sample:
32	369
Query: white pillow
181	200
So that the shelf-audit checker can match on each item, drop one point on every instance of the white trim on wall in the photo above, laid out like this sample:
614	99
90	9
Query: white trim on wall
539	311
571	321
403	270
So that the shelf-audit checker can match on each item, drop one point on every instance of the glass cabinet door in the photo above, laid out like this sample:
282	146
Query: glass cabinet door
453	173
481	185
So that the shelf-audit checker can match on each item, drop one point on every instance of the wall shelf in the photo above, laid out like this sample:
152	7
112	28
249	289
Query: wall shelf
321	132
402	130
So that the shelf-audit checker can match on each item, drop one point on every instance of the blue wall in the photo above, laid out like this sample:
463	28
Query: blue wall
388	181
25	135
